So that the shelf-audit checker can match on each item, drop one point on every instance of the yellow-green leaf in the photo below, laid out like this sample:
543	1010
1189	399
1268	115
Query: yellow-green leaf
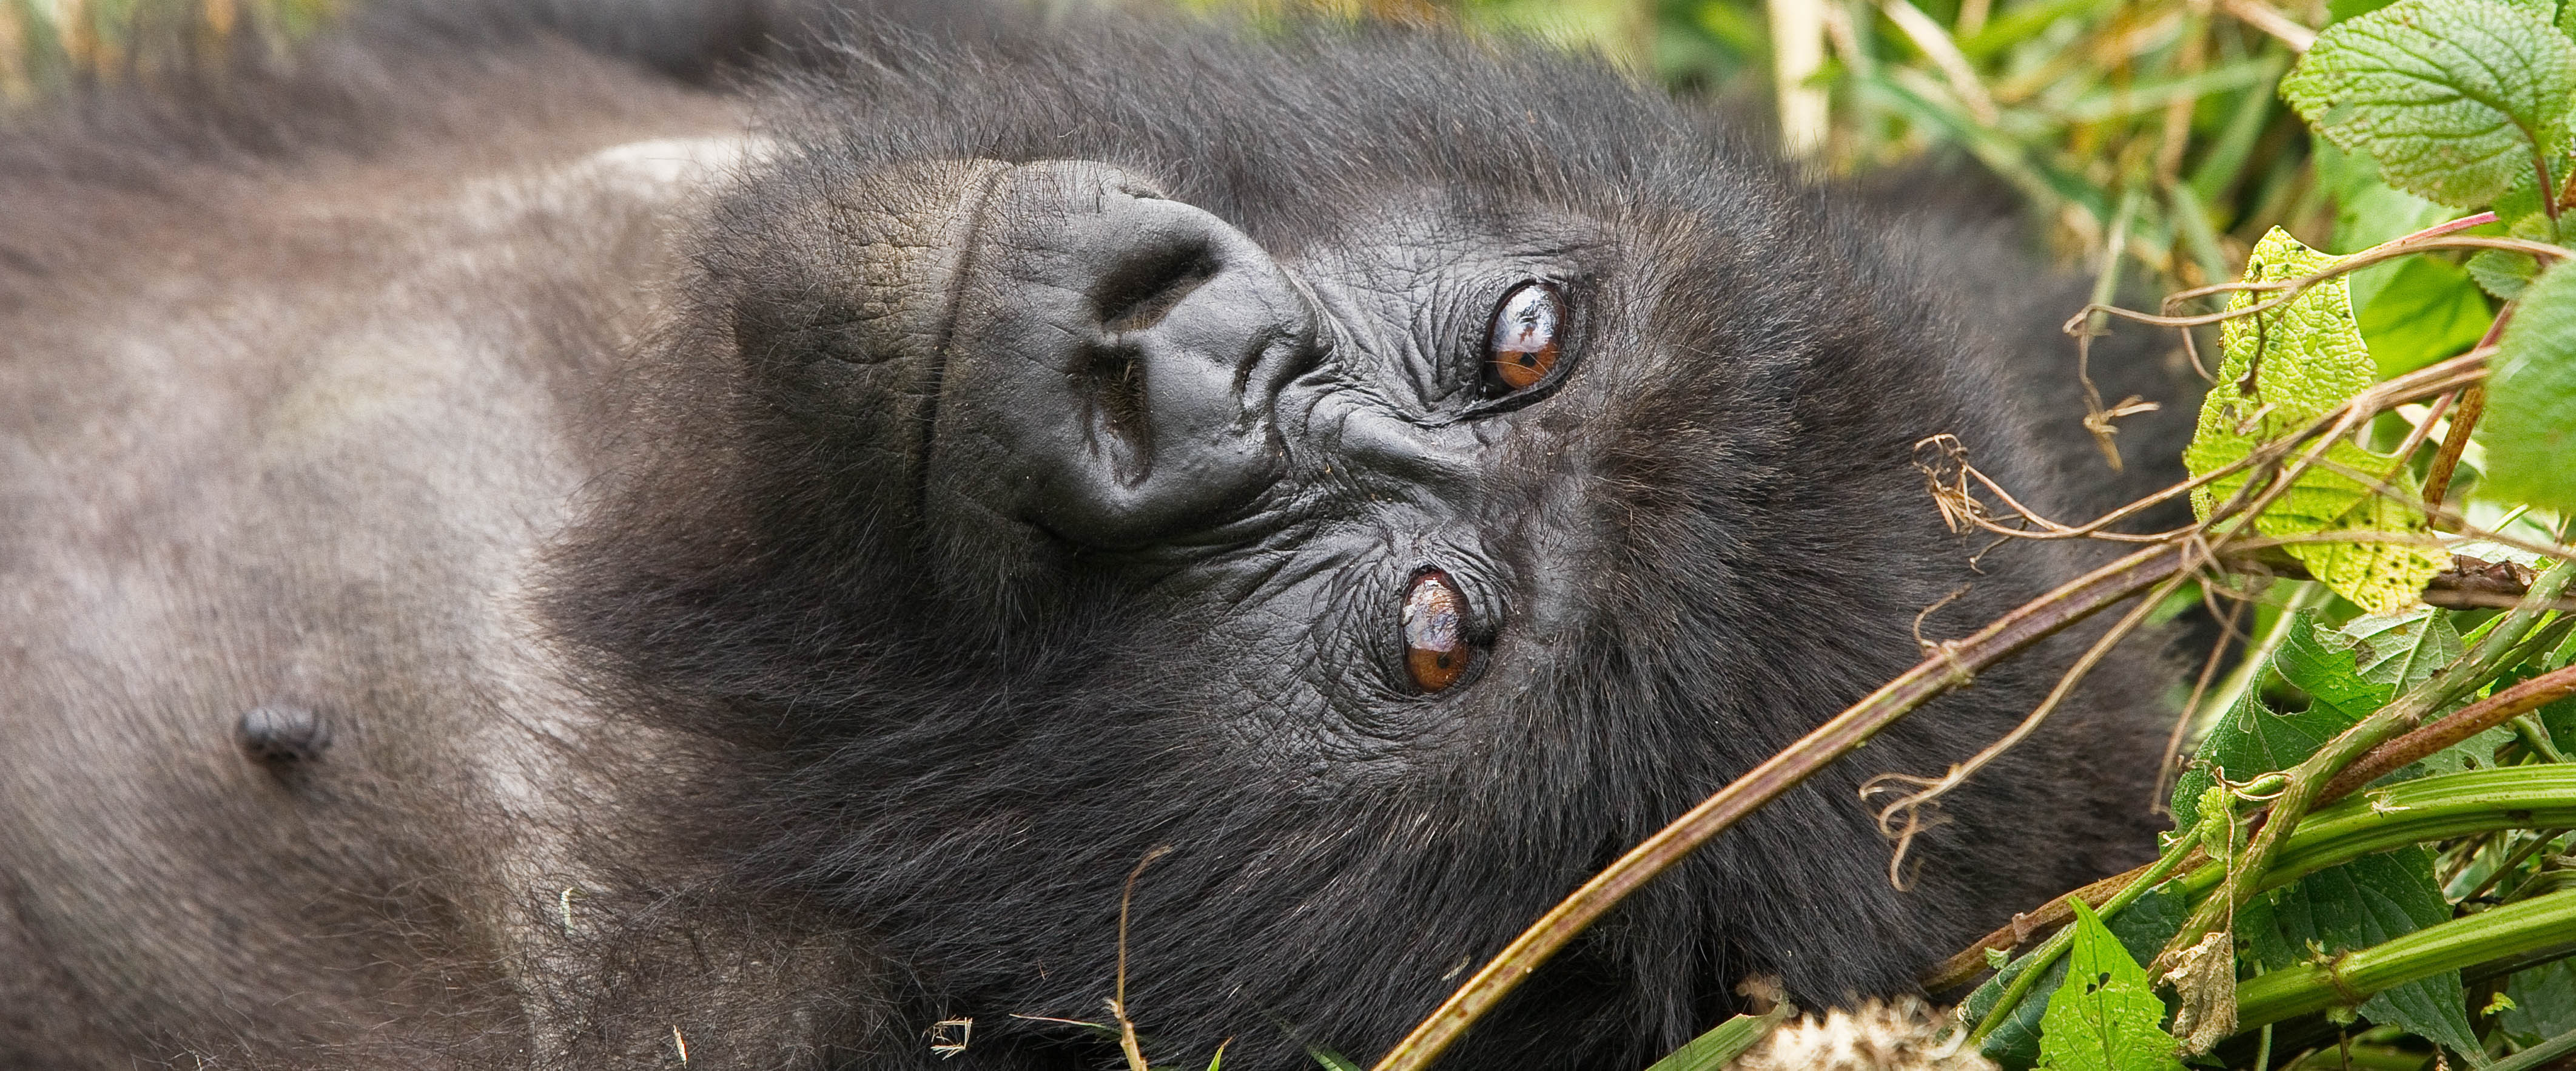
2283	369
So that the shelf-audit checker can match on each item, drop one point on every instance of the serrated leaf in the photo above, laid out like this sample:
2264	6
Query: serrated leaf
2504	272
2530	424
2252	740
2104	1017
2282	370
2142	928
2398	651
2426	311
2362	903
2451	96
2544	1003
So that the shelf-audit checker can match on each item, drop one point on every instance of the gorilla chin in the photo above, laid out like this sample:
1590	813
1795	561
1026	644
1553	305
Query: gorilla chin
774	612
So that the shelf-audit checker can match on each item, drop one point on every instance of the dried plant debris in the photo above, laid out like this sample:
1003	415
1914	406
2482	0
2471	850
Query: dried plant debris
1906	1035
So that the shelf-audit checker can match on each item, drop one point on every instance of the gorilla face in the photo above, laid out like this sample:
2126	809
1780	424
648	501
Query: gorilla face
1112	381
1395	476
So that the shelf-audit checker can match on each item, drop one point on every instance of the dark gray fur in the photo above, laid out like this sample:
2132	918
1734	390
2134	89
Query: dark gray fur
660	713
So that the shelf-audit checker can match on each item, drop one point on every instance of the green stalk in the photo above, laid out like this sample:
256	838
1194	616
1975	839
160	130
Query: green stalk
2039	959
2353	976
2439	807
2311	776
2537	1055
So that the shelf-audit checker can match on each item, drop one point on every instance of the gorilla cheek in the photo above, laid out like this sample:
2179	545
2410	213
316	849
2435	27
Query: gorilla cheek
1111	366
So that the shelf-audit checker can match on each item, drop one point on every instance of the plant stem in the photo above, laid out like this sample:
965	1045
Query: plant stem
2473	403
2440	807
2460	725
2350	977
2039	959
2311	777
2537	1055
1954	665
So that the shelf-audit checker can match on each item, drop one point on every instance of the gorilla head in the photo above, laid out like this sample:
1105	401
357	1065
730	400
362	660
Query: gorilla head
1394	473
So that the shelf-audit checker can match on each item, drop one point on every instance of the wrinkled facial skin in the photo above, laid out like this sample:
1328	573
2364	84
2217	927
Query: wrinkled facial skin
1128	381
1106	463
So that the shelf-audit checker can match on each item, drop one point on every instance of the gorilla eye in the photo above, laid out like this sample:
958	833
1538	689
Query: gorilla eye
1435	632
1521	346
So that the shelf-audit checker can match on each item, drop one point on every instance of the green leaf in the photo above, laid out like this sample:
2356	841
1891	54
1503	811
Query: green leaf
2252	740
1331	1061
2311	359
2142	929
2530	424
2399	651
2368	212
2544	1003
2560	719
2428	310
2339	10
2504	272
1722	1044
2451	96
2104	1017
2362	903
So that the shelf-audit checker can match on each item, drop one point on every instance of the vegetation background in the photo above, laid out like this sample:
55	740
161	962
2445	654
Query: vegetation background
2146	124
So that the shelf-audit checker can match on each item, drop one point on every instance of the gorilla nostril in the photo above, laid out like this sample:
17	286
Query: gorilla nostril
1138	293
1114	397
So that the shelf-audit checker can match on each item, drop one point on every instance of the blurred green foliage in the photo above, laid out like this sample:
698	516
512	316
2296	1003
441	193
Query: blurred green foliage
2153	121
50	46
2150	121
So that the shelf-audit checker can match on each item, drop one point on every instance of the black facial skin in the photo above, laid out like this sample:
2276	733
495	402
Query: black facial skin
1026	467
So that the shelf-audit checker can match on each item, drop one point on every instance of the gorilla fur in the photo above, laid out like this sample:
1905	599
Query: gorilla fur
538	399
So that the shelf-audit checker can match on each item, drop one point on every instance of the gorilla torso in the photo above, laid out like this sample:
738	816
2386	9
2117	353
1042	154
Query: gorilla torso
508	559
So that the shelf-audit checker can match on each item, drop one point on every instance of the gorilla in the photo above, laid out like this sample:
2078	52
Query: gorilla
581	537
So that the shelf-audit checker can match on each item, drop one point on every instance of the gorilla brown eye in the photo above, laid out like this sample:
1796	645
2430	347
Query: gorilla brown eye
1435	632
1521	346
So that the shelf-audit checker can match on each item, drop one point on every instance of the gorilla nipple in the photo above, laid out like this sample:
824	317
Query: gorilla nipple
1435	632
280	735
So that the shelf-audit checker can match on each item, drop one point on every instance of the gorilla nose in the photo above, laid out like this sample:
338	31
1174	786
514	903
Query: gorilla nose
1112	360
